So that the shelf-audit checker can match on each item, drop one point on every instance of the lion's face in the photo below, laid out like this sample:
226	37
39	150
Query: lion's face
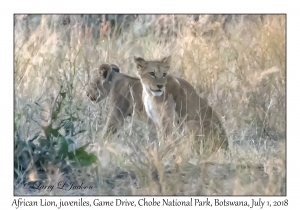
153	74
100	86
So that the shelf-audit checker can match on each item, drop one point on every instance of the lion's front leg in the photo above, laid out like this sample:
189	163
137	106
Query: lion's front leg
168	119
119	110
165	130
114	121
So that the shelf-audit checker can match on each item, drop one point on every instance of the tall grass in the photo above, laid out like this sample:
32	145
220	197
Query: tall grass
237	62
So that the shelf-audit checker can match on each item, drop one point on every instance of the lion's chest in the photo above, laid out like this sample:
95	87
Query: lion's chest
151	108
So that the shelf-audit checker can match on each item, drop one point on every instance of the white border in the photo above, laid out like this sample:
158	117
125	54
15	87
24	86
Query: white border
153	6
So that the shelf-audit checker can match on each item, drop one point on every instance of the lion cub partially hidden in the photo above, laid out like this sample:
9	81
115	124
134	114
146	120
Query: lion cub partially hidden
124	93
168	99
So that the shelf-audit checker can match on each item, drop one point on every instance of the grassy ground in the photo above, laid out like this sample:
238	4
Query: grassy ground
237	62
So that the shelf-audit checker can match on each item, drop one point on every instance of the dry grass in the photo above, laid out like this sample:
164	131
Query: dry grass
237	62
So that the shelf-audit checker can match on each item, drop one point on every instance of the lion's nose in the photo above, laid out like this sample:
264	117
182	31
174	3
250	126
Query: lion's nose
159	86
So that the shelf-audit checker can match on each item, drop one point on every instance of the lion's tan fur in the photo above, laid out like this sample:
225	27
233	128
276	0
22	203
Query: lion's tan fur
124	93
169	99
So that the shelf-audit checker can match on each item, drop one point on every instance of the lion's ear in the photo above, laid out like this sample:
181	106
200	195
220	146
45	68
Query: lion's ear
104	70
115	68
140	62
167	60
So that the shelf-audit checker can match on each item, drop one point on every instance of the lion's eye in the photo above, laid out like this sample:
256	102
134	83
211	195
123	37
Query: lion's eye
152	74
164	75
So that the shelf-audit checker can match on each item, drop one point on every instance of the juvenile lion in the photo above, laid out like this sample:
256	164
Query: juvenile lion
167	99
124	92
